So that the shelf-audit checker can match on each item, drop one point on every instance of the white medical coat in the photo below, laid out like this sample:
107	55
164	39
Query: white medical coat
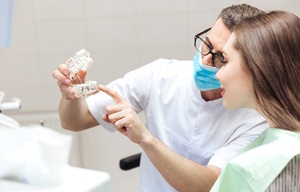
204	132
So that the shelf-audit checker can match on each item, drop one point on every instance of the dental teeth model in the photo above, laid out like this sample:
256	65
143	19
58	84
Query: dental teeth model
83	90
81	60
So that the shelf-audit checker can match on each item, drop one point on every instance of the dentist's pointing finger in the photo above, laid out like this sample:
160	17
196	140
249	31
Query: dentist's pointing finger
116	97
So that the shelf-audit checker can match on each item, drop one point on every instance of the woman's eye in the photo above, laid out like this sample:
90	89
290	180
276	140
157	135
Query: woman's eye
224	61
221	58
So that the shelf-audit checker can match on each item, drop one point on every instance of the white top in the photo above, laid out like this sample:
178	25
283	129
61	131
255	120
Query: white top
176	114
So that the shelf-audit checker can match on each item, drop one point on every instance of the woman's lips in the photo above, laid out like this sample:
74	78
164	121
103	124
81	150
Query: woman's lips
223	91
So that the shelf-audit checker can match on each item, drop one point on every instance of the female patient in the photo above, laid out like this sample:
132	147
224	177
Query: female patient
261	71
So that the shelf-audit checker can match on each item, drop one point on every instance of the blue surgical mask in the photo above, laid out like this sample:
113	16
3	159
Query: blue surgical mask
204	75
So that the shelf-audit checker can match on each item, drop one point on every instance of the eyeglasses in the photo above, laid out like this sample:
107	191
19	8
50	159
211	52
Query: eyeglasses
204	48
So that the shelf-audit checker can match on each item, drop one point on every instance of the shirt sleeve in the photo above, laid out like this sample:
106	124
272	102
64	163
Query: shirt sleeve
134	87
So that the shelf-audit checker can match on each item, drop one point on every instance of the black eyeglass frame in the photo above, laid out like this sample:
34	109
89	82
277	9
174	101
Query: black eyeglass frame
210	51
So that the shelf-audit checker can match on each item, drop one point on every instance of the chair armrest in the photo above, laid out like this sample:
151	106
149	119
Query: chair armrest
130	162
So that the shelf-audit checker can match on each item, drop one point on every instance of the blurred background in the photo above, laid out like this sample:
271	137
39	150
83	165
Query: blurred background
121	35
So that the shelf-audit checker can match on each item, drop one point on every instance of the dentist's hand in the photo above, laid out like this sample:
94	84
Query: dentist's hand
124	118
64	82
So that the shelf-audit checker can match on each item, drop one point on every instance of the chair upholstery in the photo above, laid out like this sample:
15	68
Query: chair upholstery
289	179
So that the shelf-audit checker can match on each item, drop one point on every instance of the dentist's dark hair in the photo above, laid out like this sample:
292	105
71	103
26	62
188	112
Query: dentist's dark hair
232	15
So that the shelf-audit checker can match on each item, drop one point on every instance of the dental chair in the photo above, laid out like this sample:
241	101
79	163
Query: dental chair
289	178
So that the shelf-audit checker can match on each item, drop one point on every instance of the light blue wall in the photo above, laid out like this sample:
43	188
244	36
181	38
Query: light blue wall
6	14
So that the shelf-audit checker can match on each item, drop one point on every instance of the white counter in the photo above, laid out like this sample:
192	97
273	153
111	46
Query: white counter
74	179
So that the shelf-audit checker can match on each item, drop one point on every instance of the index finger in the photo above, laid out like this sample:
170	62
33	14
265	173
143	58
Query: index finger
116	97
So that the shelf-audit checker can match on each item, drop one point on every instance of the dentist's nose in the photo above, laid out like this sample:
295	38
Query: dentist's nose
207	60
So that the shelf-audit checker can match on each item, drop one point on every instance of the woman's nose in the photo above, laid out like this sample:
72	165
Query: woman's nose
218	74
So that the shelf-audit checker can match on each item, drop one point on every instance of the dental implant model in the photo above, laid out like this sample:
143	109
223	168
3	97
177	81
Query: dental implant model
81	60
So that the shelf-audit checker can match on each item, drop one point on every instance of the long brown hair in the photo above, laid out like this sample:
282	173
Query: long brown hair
270	48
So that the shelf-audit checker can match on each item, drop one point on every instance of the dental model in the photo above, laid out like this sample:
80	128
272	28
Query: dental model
83	90
81	60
